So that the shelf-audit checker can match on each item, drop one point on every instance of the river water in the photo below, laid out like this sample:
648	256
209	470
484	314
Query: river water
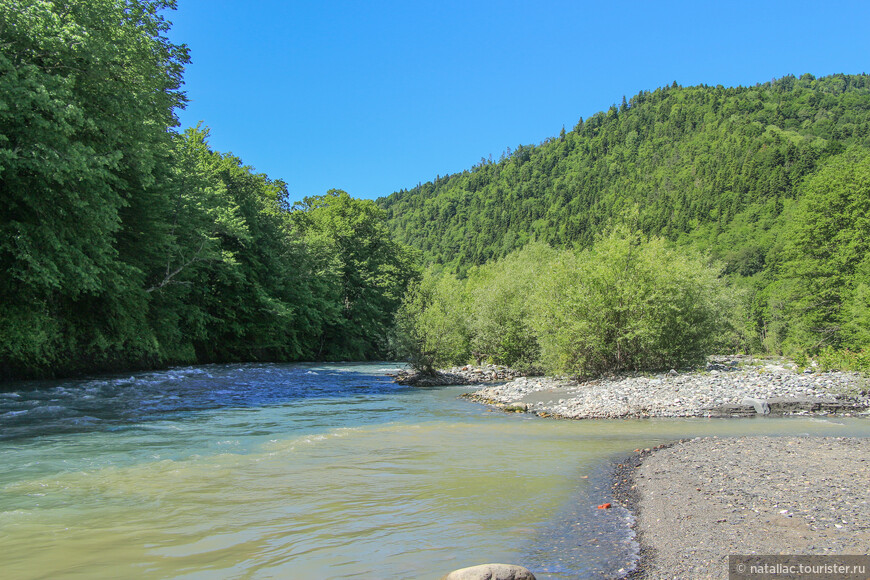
311	471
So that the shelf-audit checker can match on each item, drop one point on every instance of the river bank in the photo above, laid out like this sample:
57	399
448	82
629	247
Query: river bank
727	387
464	375
698	501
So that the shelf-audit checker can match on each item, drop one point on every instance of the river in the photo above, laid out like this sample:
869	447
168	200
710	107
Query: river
311	471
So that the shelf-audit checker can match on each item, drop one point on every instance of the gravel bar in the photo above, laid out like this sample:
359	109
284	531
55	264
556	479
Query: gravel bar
726	387
698	501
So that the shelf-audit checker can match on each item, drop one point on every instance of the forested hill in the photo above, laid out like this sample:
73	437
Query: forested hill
713	164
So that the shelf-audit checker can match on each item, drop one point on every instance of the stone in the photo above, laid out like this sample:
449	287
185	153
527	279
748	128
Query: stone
760	405
689	394
491	572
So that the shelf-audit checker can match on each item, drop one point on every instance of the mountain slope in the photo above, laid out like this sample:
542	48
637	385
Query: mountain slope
714	165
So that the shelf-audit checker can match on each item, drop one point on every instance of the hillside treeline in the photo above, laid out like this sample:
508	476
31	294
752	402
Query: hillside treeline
771	182
126	243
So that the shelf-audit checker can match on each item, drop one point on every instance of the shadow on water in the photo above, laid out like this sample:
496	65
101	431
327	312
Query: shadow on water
36	408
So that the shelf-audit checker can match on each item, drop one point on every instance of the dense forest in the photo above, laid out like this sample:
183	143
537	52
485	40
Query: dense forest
126	243
681	221
771	183
699	162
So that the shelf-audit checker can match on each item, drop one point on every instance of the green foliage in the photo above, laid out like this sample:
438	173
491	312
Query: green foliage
123	243
697	160
446	321
769	180
87	92
856	309
228	287
821	296
843	360
500	308
433	326
366	269
625	304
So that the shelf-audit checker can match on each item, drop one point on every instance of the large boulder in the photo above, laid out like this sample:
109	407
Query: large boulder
491	572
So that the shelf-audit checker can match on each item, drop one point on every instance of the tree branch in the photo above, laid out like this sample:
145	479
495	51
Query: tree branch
167	279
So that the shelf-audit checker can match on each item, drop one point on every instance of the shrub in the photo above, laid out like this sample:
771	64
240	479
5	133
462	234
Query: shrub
625	304
500	308
844	360
432	323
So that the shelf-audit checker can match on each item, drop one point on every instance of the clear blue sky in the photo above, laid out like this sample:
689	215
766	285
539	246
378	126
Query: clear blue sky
373	96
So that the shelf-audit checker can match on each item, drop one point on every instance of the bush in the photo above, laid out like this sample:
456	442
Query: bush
628	305
623	305
500	307
432	324
844	360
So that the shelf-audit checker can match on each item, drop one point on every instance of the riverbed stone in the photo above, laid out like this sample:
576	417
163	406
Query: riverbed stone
465	375
742	386
491	572
760	405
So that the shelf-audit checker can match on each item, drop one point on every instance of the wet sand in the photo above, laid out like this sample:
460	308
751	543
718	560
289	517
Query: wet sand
698	501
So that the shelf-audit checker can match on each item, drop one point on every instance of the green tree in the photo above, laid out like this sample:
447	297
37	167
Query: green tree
225	288
124	243
500	308
822	292
366	270
717	169
626	304
87	95
433	322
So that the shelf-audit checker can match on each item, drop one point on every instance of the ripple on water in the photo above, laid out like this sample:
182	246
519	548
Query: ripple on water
269	471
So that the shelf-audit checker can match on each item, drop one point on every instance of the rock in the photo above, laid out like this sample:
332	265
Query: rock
760	405
491	572
763	386
464	375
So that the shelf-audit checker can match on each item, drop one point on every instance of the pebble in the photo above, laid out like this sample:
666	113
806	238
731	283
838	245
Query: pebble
740	386
745	495
464	375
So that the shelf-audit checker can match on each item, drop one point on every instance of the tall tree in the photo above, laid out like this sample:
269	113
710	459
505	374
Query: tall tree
367	270
825	273
87	93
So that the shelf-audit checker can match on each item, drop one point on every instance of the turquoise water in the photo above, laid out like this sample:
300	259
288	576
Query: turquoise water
311	471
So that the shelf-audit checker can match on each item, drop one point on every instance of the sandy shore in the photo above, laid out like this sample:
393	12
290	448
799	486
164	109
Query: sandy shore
698	501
